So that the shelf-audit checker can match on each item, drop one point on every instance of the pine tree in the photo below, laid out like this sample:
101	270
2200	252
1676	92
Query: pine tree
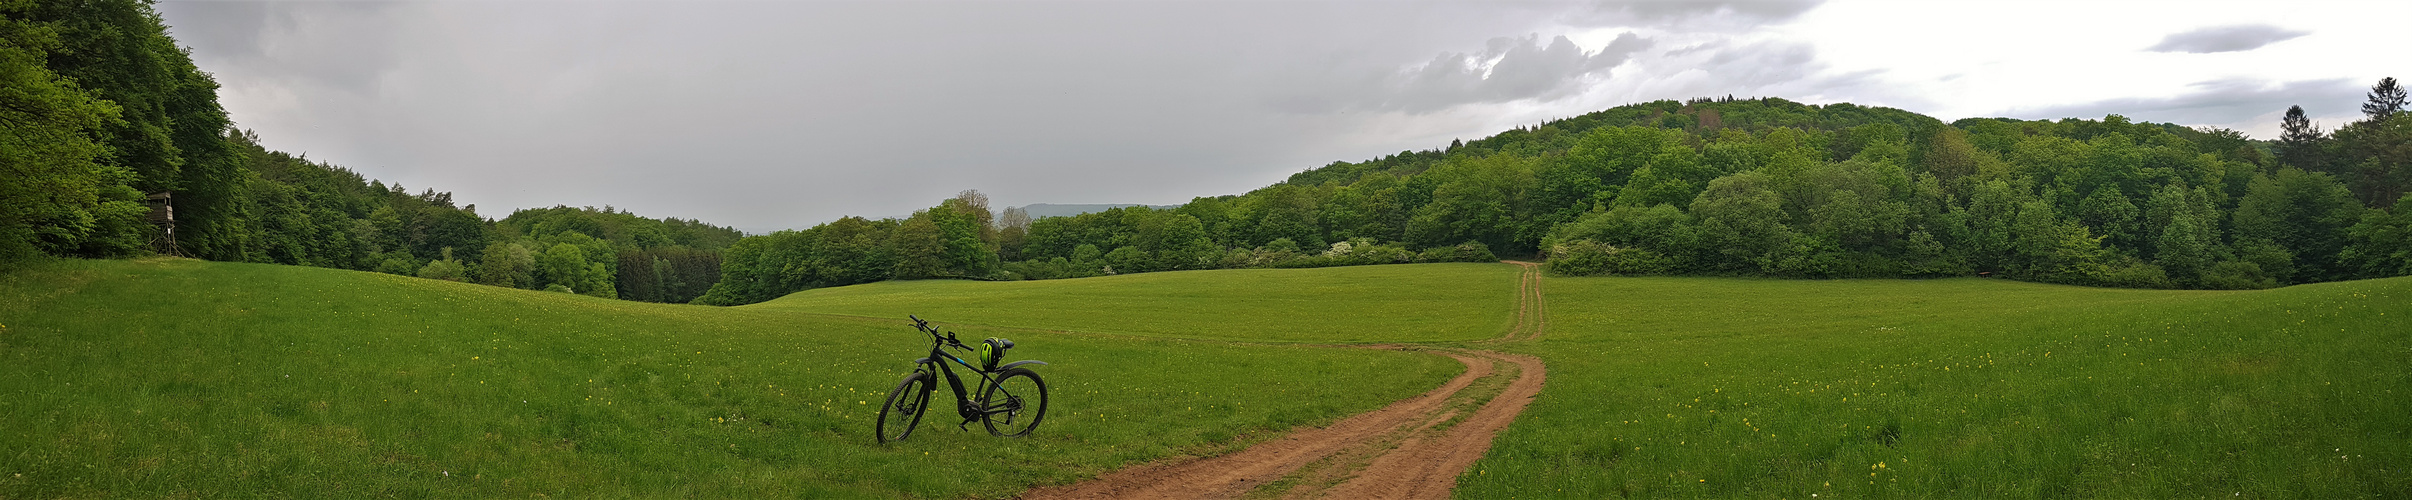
2299	141
2386	99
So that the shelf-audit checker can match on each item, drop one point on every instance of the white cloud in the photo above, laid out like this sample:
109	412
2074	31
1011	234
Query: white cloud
767	115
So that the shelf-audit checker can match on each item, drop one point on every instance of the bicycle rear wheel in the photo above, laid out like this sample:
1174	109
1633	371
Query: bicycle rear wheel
1015	404
904	407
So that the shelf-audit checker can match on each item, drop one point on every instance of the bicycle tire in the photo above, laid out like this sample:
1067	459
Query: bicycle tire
1021	415
905	405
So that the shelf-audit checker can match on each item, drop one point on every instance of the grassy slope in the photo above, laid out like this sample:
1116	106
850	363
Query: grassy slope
1860	388
181	378
1688	387
1398	303
1658	387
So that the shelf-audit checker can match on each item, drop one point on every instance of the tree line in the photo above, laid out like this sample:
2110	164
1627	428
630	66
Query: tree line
103	116
103	113
301	212
963	238
2106	202
1730	187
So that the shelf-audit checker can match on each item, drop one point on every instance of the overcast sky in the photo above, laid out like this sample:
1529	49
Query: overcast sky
768	115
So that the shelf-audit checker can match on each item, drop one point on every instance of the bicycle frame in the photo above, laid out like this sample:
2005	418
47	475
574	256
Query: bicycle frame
964	406
963	398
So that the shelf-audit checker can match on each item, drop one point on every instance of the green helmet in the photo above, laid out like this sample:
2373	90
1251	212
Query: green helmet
992	351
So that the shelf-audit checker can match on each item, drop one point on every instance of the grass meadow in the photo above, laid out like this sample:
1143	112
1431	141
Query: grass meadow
185	378
1360	304
1692	387
1703	387
181	378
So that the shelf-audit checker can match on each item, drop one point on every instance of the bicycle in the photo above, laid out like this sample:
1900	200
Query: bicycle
1012	399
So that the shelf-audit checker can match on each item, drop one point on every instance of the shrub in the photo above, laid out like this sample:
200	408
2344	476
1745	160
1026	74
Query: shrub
1579	258
398	263
1471	251
2237	275
2133	274
447	270
1590	258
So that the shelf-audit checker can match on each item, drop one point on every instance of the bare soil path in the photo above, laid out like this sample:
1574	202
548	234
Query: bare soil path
1427	466
1413	448
1532	311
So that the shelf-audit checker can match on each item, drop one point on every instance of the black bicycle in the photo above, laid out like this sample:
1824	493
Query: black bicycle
1012	399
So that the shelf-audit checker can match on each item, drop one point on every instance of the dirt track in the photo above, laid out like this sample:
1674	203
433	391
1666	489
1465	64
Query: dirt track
1413	448
1532	312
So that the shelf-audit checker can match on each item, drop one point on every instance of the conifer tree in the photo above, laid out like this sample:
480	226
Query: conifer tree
2386	99
2299	140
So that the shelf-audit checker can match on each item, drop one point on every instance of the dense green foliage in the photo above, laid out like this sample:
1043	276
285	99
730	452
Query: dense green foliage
953	239
316	214
1759	187
100	109
1961	388
960	238
103	111
163	378
1772	188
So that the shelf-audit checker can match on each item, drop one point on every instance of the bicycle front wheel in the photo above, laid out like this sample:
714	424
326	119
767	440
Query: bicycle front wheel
1015	404
904	408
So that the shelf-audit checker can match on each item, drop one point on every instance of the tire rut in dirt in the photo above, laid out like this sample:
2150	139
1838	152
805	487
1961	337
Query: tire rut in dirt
1406	460
1428	467
1532	316
1234	474
1394	452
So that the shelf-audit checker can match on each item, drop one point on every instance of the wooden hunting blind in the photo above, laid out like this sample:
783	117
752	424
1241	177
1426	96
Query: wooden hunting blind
163	215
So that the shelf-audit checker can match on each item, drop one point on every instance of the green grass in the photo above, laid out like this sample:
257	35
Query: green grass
1696	387
164	378
1396	303
174	378
1689	387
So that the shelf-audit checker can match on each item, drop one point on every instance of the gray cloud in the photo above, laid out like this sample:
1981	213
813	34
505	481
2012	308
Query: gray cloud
222	29
769	115
2219	103
328	45
1746	68
1534	68
781	114
1763	64
1508	69
1665	12
2233	38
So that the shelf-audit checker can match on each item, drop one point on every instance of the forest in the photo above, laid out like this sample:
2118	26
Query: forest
100	112
1725	187
104	115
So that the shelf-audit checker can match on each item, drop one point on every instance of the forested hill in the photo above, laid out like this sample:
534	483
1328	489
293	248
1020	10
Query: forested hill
1750	187
1777	188
102	114
1766	187
1558	136
102	117
1045	210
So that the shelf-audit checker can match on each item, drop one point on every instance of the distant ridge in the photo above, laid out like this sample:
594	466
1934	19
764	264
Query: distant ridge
1045	210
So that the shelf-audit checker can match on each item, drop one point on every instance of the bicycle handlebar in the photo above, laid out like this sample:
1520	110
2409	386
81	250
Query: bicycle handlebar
948	340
